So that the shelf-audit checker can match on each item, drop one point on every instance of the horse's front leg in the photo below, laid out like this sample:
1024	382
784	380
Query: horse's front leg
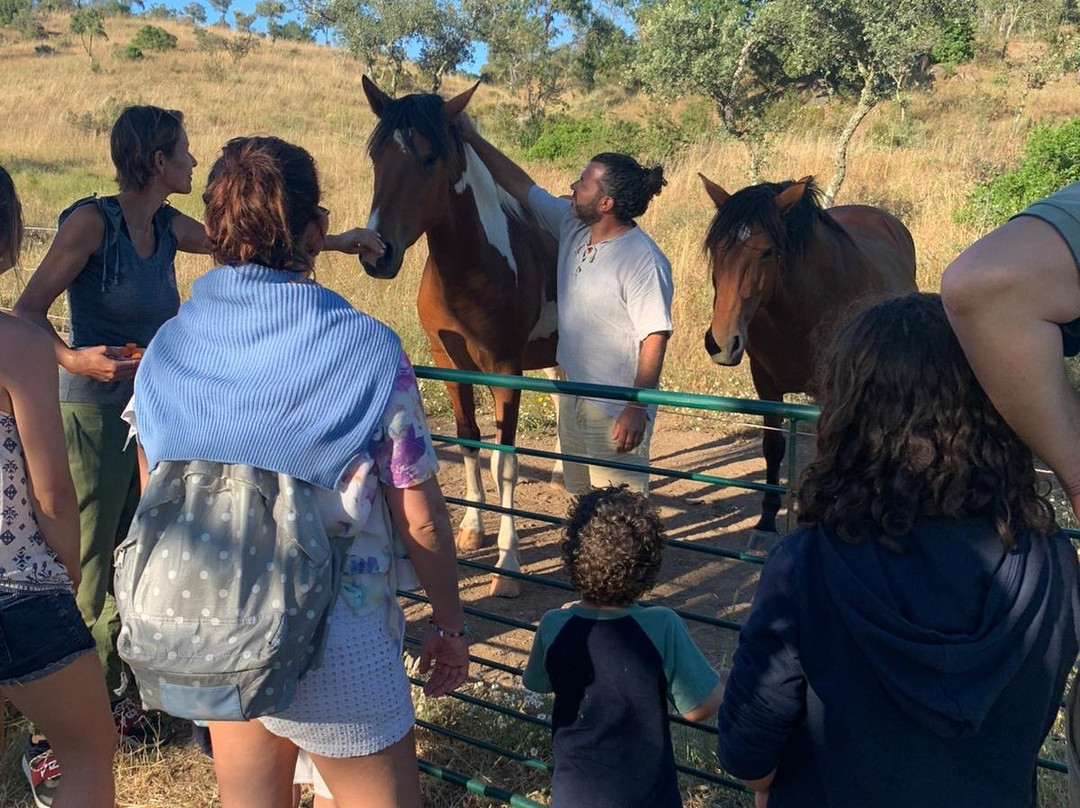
504	470
471	530
773	446
556	374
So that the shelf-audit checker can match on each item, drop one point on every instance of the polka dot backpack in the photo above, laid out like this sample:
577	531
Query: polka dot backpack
224	585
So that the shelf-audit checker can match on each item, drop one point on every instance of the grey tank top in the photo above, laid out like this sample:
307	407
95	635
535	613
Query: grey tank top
119	297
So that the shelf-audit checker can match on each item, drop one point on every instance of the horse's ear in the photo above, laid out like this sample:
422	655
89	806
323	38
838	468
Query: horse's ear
717	194
456	105
376	97
787	198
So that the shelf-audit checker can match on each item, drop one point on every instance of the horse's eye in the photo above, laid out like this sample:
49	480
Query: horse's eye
430	160
767	253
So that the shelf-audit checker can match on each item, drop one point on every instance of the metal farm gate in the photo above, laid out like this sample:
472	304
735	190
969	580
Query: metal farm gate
792	414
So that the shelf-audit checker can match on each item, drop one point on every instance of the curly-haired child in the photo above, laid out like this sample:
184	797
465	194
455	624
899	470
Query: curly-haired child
910	644
614	664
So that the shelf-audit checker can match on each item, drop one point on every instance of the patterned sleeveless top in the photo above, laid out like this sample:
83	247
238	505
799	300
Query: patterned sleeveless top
26	561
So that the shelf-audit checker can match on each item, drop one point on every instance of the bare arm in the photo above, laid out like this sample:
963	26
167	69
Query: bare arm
419	514
1005	296
28	374
75	242
144	468
505	171
629	427
190	235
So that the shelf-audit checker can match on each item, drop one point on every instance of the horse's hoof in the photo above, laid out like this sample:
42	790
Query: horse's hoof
469	540
557	482
761	541
504	587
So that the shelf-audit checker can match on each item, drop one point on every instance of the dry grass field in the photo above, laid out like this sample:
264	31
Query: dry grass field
54	140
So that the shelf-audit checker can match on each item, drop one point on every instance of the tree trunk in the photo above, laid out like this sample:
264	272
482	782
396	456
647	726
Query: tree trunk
754	161
867	100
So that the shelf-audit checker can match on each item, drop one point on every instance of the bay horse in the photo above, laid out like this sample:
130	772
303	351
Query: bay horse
786	272
487	294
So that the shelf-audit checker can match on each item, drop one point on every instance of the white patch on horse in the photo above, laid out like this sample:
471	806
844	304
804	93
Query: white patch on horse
493	205
399	138
548	321
373	221
743	234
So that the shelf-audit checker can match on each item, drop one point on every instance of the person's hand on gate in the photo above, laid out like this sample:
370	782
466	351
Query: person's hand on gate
629	427
450	656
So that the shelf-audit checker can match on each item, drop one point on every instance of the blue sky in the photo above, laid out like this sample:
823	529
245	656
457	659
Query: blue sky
248	7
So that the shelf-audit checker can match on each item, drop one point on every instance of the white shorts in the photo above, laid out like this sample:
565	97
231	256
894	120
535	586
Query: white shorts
358	701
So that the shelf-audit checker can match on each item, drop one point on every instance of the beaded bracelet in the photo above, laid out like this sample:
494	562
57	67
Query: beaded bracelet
448	635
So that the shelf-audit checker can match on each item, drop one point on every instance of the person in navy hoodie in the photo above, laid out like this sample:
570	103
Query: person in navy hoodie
909	645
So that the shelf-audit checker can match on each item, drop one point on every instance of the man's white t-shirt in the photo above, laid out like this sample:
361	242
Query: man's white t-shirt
611	295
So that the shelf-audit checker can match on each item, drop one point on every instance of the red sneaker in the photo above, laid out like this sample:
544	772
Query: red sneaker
41	768
138	729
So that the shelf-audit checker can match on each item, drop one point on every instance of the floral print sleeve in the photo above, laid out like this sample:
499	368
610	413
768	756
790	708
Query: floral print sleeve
404	455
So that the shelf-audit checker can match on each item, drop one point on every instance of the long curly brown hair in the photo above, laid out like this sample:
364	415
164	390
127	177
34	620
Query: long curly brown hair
906	431
613	545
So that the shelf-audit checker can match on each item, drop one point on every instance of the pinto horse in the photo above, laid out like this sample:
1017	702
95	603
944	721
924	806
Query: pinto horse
786	272
487	295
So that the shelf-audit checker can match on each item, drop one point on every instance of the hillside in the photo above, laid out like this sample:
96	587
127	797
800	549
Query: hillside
54	139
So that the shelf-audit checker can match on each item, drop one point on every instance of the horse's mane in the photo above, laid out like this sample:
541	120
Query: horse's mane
421	113
755	205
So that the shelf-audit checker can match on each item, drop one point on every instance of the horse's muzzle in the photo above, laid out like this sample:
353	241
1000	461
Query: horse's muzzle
729	356
388	265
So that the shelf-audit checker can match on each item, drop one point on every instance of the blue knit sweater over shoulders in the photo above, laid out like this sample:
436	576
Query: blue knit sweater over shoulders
262	369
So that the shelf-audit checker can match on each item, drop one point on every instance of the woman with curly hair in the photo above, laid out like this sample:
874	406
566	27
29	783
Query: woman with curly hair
615	665
909	645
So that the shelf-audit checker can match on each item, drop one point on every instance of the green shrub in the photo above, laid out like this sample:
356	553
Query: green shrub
1051	161
28	24
10	9
209	42
152	38
132	51
956	44
899	135
568	140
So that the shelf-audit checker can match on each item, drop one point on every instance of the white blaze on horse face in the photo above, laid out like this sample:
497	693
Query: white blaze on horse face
399	139
373	221
493	204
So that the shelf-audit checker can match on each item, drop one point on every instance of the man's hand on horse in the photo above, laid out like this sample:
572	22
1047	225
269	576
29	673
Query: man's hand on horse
629	427
358	241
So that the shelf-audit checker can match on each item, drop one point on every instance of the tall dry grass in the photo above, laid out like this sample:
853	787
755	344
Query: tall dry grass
971	125
967	127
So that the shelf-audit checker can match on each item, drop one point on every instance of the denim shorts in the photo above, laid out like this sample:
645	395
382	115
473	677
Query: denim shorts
40	633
